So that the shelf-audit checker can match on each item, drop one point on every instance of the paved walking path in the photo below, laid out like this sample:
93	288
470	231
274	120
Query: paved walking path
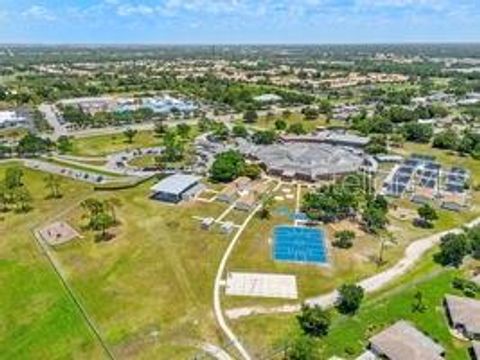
413	254
217	306
216	352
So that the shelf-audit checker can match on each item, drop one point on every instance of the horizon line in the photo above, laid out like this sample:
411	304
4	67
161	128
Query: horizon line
159	44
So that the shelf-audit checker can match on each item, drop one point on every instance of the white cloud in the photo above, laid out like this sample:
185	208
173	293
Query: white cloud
134	10
38	12
433	4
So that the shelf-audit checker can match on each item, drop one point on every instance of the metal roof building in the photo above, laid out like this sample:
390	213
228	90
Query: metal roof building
329	137
306	161
403	341
176	188
11	119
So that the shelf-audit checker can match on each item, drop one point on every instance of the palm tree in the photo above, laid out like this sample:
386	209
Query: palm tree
267	204
130	134
52	182
418	304
111	204
4	198
385	237
92	207
23	199
102	222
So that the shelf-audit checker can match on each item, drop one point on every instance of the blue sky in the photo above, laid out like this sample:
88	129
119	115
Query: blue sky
238	21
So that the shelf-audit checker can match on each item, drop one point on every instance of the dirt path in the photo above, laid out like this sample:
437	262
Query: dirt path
413	254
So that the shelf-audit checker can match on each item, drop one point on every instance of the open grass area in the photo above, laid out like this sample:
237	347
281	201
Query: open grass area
348	335
101	145
150	288
268	122
37	318
254	251
143	161
12	134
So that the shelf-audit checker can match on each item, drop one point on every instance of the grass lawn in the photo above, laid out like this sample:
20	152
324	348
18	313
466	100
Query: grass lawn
12	133
266	122
37	318
143	161
150	288
254	252
106	144
348	335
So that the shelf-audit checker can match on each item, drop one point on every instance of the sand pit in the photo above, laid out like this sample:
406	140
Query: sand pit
346	225
58	233
403	213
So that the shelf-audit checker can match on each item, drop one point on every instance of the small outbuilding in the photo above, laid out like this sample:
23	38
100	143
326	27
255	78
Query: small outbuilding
403	341
207	223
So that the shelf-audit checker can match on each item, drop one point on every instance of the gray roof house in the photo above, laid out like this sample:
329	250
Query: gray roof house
464	315
402	341
476	279
176	188
475	351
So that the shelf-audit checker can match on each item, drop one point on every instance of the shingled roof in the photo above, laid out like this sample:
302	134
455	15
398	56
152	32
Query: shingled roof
403	341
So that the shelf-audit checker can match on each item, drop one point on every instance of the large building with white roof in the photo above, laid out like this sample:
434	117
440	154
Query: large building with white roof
11	118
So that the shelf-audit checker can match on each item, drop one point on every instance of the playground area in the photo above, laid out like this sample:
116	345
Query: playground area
58	233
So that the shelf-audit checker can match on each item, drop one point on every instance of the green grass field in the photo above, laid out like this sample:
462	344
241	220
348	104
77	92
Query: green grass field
12	134
37	318
150	288
254	252
266	122
348	335
106	144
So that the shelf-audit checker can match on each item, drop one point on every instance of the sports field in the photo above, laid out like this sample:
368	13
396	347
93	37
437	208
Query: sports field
38	319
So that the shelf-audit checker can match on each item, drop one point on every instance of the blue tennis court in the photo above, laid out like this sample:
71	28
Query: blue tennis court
299	244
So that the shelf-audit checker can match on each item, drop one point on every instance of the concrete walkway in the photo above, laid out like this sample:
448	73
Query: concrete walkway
216	290
217	306
413	254
216	352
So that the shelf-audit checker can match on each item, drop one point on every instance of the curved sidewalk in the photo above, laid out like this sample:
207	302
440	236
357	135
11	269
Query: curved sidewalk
413	253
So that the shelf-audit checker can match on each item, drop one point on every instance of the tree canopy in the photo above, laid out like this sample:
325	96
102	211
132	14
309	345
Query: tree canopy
227	166
350	298
314	321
